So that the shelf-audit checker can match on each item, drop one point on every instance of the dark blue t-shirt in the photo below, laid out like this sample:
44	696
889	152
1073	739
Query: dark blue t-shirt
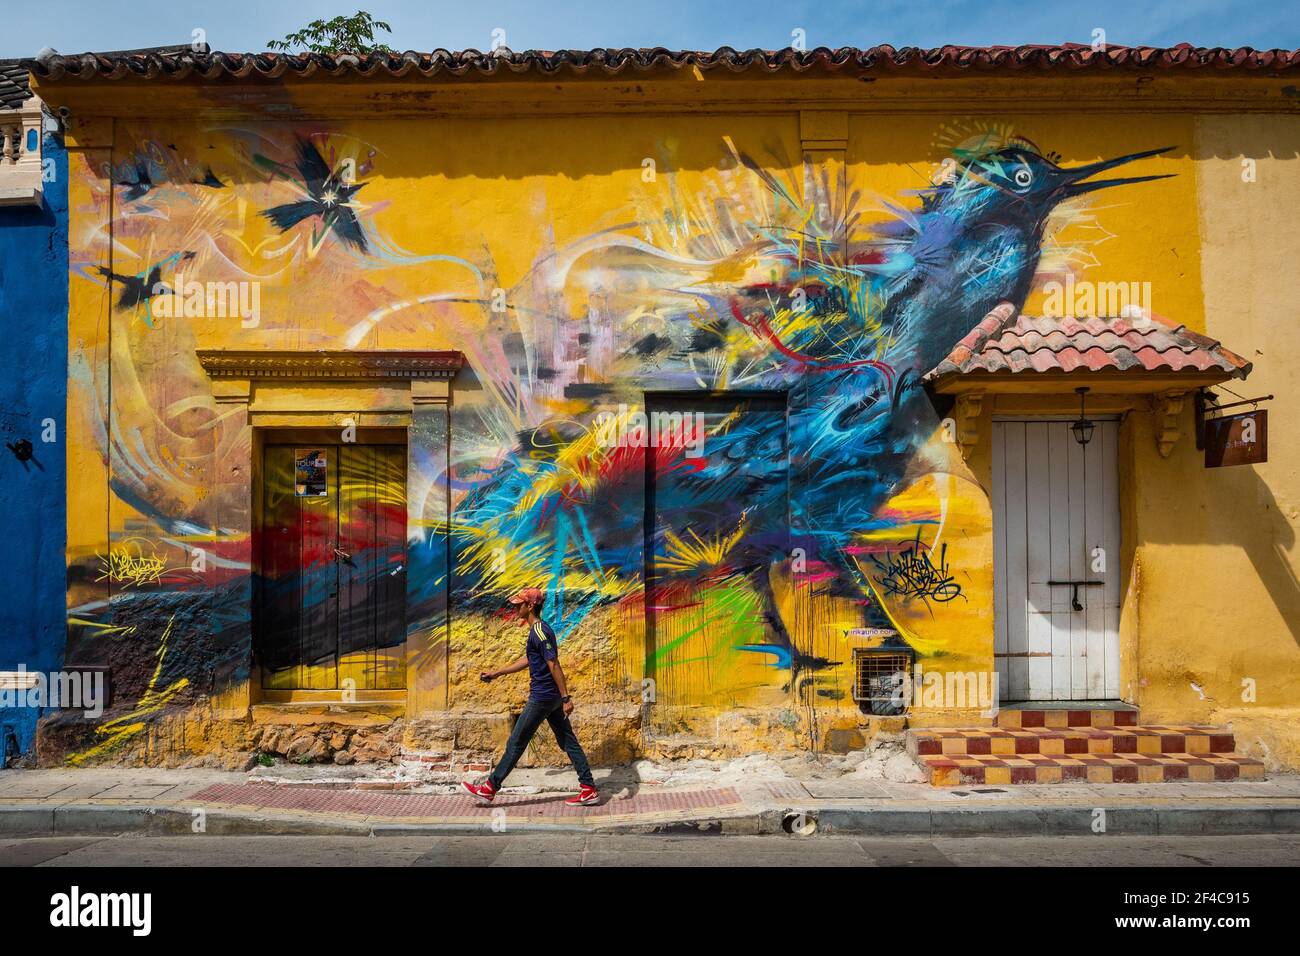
541	648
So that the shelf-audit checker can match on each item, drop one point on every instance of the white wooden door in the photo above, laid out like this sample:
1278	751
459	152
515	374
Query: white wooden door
1055	519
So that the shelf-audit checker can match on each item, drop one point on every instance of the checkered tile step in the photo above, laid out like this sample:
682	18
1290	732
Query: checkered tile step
1070	741
1015	718
952	770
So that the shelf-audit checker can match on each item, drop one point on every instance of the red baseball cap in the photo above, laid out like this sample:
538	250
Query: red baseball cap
528	596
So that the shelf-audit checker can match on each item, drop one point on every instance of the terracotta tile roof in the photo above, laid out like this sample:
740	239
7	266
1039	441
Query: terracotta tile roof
1006	342
14	90
884	60
15	86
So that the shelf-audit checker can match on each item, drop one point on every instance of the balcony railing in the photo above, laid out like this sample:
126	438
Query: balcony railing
20	155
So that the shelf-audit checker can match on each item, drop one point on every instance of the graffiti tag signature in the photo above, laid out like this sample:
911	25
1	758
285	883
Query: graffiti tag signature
911	572
132	569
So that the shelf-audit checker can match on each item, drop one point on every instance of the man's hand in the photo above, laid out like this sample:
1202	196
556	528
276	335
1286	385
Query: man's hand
486	676
568	708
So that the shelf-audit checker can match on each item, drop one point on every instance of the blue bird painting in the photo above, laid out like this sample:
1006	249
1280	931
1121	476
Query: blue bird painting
801	463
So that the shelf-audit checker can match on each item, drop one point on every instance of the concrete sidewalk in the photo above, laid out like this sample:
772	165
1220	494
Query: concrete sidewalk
111	801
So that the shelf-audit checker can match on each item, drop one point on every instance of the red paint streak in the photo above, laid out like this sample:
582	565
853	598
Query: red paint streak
883	547
239	549
669	456
623	460
549	507
675	607
804	580
760	325
687	464
632	602
366	516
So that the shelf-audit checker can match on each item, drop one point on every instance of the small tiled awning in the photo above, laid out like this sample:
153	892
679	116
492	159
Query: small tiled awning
1139	354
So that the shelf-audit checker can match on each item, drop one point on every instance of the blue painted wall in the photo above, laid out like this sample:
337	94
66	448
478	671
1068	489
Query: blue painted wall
33	388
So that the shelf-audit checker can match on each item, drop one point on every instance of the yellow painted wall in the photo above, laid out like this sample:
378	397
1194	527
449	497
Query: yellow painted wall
595	254
1219	600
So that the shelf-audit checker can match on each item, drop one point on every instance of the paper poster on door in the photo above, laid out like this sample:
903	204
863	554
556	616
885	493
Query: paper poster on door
311	473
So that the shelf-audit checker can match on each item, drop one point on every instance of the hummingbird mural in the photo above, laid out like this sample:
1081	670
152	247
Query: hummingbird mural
849	357
142	287
328	198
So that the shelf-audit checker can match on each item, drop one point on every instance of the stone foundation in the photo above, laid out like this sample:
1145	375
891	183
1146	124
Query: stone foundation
455	740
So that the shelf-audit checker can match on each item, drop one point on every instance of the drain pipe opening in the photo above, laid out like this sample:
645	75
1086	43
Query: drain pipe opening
799	823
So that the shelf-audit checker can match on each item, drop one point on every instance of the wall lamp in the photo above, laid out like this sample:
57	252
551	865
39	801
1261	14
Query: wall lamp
1083	428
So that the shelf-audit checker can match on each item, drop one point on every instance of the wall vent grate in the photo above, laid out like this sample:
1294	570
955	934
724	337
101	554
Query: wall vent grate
878	680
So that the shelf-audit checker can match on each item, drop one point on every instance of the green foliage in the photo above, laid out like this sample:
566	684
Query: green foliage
354	34
266	760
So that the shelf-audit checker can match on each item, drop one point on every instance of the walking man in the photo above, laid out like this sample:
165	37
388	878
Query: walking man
548	699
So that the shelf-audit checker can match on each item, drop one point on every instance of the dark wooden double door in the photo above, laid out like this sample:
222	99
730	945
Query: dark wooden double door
333	566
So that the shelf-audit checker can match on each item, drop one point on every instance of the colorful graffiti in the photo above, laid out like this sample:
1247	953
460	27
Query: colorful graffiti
699	420
911	571
844	341
131	566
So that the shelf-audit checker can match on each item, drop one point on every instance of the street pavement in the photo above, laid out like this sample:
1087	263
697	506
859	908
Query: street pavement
152	802
600	849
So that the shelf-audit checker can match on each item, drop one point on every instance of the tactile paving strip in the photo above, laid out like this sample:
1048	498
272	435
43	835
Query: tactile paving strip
404	806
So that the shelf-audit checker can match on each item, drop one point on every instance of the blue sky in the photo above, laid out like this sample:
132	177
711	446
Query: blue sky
75	26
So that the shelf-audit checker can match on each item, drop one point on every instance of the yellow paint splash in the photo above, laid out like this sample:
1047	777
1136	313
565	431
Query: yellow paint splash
121	729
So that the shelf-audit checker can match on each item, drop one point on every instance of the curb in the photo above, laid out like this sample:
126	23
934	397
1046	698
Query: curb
92	820
1198	820
36	821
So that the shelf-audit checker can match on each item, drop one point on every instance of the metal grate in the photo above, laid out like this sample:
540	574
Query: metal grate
878	680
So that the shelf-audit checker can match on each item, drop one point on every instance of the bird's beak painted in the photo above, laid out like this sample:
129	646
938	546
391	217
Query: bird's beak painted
1076	187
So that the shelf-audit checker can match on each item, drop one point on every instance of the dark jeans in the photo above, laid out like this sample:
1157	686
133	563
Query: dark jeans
535	711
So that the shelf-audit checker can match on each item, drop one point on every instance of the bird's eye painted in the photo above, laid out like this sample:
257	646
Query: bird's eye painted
1023	177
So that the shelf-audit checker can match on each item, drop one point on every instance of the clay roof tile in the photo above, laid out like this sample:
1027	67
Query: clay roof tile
1018	343
1069	58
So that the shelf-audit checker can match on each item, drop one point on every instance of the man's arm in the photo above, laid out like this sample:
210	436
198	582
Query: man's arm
558	673
510	668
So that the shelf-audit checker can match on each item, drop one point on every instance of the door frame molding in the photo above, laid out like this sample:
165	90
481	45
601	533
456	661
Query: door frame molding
282	391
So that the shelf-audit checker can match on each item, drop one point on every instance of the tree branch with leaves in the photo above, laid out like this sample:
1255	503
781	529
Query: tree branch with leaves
354	34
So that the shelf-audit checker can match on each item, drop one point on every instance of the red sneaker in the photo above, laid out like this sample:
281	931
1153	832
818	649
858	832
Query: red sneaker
585	798
481	792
